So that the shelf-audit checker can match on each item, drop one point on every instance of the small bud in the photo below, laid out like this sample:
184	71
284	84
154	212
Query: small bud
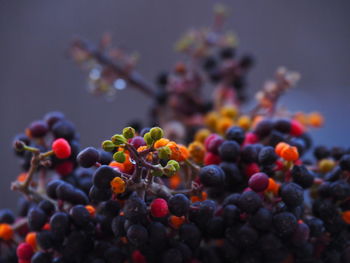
175	164
164	152
156	133
119	157
108	146
19	146
118	139
128	132
148	139
157	172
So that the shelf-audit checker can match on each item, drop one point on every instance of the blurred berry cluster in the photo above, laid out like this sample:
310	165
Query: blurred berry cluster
215	184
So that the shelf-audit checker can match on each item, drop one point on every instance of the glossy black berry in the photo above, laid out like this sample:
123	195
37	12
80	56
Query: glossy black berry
229	151
36	219
6	216
179	204
38	129
285	223
52	117
103	177
88	157
261	219
212	176
64	129
249	202
137	235
292	194
267	156
302	176
235	133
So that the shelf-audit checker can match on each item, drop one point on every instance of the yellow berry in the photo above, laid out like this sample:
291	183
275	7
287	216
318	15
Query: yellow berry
201	135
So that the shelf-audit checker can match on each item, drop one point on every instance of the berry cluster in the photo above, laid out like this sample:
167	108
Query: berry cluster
241	190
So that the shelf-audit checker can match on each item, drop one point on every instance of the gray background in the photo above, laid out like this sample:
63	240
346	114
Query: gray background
311	36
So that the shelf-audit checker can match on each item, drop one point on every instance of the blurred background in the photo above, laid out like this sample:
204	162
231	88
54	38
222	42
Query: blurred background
36	76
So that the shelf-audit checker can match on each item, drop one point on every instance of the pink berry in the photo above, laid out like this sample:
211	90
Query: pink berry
296	128
258	182
213	142
137	141
24	251
159	207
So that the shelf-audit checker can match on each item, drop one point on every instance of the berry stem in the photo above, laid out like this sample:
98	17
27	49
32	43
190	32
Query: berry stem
134	78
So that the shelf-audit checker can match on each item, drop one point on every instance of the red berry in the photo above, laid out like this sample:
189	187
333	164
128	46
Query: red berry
211	158
250	138
24	251
159	207
296	128
137	257
258	182
61	148
65	168
251	169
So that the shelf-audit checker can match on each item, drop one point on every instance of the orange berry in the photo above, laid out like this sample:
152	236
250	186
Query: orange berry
184	152
31	239
128	165
118	185
223	124
229	111
346	216
273	186
244	122
279	147
160	143
6	232
315	119
175	151
176	221
174	181
196	151
198	198
290	153
211	119
117	165
91	210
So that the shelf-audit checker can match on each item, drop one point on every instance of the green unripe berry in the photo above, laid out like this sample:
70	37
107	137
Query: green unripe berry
118	139
148	139
175	164
156	133
108	146
119	157
169	170
164	152
129	132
